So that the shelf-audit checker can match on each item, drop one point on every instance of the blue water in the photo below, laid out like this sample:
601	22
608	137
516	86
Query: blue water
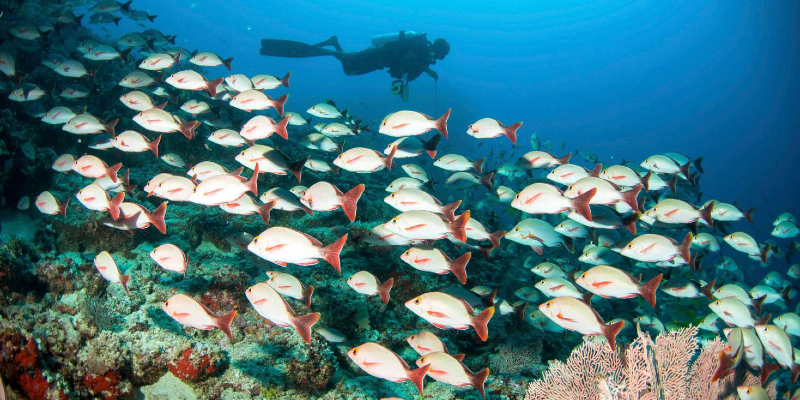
622	79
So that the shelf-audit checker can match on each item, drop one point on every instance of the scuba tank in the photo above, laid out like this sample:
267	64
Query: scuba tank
380	40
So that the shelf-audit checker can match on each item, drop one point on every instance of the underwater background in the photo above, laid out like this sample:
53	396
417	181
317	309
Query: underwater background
619	80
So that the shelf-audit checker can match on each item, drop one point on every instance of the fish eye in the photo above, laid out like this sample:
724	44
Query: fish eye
394	221
413	337
416	301
747	391
516	229
255	240
548	304
355	351
630	246
392	196
166	303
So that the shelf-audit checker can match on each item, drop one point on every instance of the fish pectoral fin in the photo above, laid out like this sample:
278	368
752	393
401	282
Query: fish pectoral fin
601	284
440	326
563	318
437	314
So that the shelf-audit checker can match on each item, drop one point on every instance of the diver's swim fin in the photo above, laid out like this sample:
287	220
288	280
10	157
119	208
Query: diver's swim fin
332	41
292	49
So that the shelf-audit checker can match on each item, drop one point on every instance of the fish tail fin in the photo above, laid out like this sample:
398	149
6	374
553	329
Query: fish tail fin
478	379
519	310
124	279
417	376
581	203
486	250
441	123
157	218
764	319
162	105
109	127
62	208
646	180
481	321
152	18
384	289
511	134
331	253
724	366
350	201
495	237
431	144
708	289
187	128
757	303
686	244
685	169
748	215
296	168
459	226
487	180
265	209
112	171
569	245
252	184
280	128
705	213
610	332
630	197
302	324
648	290
565	159
478	165
279	103
795	371
489	299
153	146
307	210
785	294
766	371
227	63
448	210
224	323
765	253
211	86
126	179
595	172
672	184
388	159
458	267
113	205
697	164
630	222
285	79
126	6
307	293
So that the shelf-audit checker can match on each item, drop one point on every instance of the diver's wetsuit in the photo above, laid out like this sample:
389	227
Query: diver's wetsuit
406	58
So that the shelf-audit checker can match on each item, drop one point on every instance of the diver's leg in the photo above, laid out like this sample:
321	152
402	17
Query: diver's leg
292	49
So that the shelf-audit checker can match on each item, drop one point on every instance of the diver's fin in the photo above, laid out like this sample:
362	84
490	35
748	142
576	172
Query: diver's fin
292	49
332	41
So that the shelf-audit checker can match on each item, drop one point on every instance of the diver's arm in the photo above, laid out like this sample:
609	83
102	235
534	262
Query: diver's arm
432	73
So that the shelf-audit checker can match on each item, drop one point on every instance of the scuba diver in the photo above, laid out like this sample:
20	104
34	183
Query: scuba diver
405	54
